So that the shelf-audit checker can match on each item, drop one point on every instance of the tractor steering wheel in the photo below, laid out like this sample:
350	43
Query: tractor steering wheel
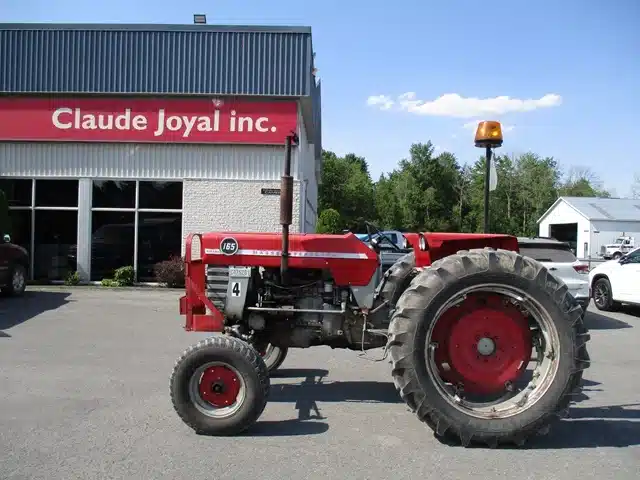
370	226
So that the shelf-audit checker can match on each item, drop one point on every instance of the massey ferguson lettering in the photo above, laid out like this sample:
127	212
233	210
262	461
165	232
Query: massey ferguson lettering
65	118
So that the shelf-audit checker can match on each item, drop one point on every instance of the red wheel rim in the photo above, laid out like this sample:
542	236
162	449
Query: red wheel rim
484	344
219	386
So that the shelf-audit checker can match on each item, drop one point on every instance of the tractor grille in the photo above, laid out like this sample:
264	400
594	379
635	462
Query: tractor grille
217	282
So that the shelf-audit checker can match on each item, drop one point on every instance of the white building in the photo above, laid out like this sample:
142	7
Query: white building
588	223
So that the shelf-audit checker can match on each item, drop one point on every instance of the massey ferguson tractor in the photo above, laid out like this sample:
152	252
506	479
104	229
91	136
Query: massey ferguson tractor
486	345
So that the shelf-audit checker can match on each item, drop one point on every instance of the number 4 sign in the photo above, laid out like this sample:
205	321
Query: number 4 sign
235	289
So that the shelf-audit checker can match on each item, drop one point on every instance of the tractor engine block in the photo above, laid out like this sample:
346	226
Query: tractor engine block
308	310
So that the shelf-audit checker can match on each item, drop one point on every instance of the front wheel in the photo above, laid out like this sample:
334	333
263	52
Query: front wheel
220	386
18	282
462	338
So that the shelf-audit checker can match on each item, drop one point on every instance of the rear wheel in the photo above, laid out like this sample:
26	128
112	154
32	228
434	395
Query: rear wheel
273	356
220	386
602	295
463	335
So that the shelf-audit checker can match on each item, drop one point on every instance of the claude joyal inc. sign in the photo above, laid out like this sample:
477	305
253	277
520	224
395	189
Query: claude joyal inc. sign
191	120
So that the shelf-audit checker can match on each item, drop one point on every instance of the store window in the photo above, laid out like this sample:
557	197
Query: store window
55	237
56	193
17	191
160	195
55	232
112	241
156	216
21	228
159	239
114	194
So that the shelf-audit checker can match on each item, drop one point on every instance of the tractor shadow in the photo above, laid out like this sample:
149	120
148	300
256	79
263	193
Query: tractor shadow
312	389
17	310
586	427
596	321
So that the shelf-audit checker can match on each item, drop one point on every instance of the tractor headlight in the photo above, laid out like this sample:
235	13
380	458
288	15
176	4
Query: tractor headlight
422	243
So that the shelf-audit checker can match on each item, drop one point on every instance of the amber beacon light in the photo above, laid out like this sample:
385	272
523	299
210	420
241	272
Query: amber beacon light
489	134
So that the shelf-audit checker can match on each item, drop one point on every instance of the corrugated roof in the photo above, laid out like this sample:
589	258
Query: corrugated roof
617	209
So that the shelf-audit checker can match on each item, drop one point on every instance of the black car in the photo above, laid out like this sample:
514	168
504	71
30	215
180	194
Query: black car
14	264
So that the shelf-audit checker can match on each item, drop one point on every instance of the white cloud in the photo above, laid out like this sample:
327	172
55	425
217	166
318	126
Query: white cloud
382	101
454	105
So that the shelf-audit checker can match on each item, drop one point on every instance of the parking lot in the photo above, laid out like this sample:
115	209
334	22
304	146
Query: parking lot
84	379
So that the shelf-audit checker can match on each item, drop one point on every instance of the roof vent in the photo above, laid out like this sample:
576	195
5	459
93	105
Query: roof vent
200	19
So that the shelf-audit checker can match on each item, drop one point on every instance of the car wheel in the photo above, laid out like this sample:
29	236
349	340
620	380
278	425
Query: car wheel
602	296
17	283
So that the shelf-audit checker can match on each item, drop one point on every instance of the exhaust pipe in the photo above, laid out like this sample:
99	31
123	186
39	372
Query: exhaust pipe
286	206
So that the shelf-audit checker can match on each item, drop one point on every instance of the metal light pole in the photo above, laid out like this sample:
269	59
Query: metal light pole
488	136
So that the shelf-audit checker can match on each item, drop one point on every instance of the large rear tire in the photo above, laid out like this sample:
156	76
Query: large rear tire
459	330
220	386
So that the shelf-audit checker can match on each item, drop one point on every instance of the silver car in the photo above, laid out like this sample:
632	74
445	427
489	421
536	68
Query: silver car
559	258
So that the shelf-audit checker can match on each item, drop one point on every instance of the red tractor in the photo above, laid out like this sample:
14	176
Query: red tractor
486	345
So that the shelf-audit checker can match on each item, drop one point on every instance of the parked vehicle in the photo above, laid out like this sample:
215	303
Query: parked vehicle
621	246
386	238
560	260
14	264
616	282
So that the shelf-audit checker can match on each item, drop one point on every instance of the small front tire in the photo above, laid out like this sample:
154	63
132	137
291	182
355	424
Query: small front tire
220	386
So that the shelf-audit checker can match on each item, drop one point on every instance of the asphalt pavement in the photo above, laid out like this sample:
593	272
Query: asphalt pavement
84	394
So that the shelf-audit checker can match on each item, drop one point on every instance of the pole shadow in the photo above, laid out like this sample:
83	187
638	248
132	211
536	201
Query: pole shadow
306	394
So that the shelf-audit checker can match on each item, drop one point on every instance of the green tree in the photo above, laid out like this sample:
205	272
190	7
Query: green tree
582	182
347	188
329	222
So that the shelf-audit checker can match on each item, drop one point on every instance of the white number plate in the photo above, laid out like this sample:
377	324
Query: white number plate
244	272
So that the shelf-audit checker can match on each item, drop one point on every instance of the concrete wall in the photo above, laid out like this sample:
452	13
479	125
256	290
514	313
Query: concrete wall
224	205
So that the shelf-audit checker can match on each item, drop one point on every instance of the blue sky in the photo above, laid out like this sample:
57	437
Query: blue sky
582	53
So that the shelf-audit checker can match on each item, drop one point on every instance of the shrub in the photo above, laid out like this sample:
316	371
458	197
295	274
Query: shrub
170	272
124	276
329	222
72	278
109	282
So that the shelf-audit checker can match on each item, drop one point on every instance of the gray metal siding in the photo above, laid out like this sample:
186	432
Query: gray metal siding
112	60
153	161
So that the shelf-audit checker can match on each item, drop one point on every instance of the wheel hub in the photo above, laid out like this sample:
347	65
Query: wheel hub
483	344
486	346
219	386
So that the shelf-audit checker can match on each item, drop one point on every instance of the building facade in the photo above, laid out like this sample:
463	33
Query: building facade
116	141
590	223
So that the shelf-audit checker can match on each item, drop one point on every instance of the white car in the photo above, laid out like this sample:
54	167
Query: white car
616	281
561	262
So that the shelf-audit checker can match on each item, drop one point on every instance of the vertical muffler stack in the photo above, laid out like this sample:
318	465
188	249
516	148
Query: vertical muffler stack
286	206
